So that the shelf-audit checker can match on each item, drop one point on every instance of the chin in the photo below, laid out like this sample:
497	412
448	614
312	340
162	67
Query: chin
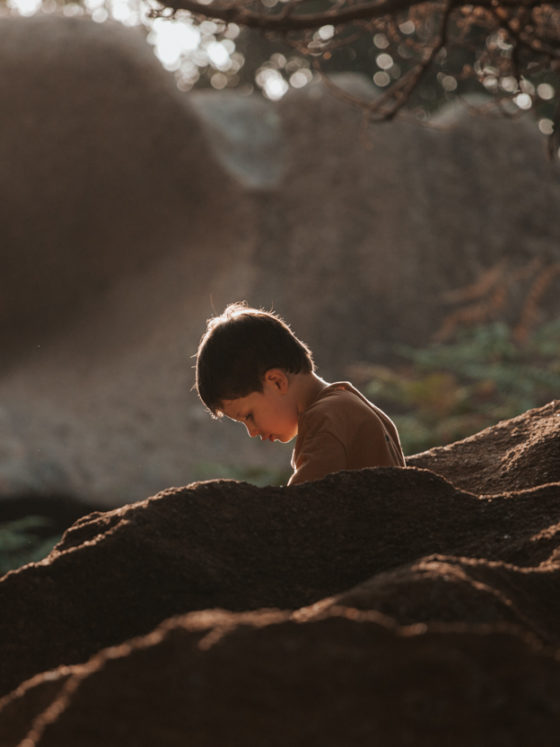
286	439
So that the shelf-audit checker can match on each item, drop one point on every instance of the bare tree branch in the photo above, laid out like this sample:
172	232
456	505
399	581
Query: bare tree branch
339	14
284	21
496	41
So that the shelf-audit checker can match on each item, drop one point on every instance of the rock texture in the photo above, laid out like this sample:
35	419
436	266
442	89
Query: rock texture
512	455
130	212
383	604
341	679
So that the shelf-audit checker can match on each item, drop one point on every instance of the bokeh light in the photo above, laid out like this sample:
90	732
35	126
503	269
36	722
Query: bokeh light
546	126
407	27
523	101
272	83
325	32
193	50
25	7
209	52
172	40
381	79
545	91
380	41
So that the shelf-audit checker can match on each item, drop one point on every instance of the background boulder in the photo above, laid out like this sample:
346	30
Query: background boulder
383	601
119	229
119	573
343	678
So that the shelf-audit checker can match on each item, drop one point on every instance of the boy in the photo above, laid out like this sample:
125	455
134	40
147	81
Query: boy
253	369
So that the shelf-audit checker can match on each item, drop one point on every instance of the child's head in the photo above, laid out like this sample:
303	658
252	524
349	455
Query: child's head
237	351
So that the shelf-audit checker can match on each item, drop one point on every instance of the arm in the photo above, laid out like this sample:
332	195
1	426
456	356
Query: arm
321	453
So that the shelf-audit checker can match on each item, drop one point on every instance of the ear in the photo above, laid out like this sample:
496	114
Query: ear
278	379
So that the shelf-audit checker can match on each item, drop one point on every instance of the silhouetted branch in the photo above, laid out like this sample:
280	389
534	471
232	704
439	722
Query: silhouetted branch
501	40
287	20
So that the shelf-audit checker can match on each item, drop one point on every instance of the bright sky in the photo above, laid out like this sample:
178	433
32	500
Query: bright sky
178	44
171	39
25	7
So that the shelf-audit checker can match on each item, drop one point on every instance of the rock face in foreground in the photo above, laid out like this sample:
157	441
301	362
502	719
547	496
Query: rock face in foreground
382	605
512	455
340	679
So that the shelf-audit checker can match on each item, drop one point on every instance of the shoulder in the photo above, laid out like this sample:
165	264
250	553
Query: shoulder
340	396
337	402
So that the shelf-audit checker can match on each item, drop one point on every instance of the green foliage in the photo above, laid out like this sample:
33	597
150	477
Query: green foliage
23	541
448	391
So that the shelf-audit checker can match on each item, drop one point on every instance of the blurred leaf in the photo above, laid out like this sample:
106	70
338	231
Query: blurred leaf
447	391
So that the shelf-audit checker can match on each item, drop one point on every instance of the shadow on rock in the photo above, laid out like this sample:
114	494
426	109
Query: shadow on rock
344	678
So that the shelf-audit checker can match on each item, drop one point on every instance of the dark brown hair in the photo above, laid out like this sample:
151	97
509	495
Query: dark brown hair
239	347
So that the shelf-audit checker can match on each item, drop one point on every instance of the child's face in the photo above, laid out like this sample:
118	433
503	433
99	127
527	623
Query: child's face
271	414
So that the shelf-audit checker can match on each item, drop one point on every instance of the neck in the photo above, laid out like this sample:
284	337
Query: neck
307	388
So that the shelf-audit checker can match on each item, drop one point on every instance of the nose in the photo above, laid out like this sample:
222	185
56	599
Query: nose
251	430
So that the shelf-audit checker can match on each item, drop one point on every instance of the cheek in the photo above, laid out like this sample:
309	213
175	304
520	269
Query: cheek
289	415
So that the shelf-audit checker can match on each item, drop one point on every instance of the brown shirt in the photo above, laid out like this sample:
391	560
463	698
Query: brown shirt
341	429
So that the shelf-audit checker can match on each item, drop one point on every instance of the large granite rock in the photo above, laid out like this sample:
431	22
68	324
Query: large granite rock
344	678
106	169
375	226
383	603
511	455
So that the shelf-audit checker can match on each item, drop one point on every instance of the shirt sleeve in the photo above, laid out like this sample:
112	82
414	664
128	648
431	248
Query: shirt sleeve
321	454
